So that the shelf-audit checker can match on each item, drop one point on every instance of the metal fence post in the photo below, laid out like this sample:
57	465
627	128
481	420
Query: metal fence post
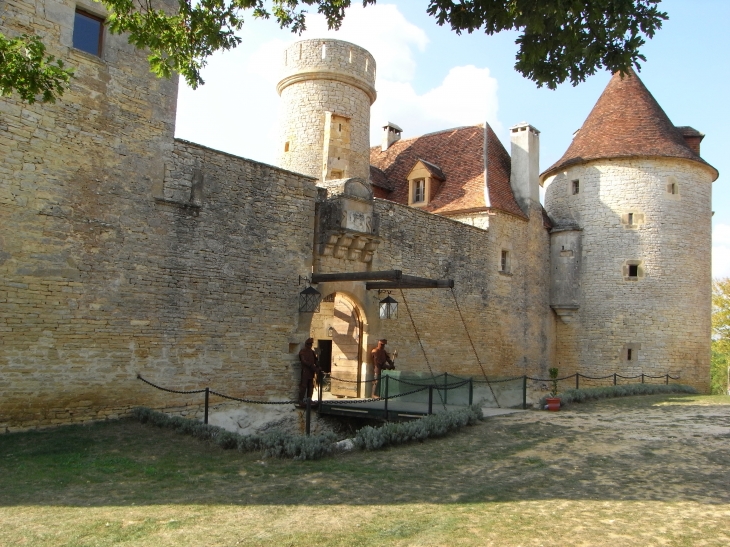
430	400
667	381
614	378
577	376
524	392
207	393
308	415
642	377
446	385
386	397
471	391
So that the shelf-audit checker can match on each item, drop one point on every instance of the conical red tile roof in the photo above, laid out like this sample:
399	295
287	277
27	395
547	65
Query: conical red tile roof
626	122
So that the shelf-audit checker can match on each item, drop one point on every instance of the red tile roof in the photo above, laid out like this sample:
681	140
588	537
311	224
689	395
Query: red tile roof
626	122
459	155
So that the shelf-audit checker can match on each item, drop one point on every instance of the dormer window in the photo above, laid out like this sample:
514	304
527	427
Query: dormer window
424	182
419	191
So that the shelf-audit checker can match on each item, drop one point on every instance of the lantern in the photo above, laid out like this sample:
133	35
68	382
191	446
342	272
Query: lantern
388	308
309	300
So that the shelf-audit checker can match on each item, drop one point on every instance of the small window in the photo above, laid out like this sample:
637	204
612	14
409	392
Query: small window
631	218
633	270
575	186
286	146
419	191
504	262
628	354
88	32
335	174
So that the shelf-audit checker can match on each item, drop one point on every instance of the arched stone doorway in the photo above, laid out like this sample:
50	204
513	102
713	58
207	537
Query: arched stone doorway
338	332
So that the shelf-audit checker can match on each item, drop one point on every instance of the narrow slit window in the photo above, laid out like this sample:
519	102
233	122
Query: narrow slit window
88	32
628	354
631	218
575	186
324	51
504	262
286	146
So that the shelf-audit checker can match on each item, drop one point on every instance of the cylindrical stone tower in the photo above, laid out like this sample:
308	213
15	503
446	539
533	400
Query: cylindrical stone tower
631	201
326	92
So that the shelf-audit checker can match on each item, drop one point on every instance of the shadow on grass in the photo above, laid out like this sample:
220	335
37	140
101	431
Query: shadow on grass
502	459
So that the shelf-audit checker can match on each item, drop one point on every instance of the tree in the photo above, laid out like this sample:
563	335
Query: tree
720	334
26	69
560	39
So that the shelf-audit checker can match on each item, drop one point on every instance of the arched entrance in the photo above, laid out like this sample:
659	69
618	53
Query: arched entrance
338	333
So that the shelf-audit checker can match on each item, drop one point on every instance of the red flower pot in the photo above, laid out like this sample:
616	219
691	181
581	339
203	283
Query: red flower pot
553	403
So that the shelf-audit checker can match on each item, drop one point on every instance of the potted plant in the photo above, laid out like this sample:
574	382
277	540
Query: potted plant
553	401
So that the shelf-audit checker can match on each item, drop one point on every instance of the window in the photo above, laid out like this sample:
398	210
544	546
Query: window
286	146
628	354
335	174
633	270
419	191
504	262
88	32
631	218
575	186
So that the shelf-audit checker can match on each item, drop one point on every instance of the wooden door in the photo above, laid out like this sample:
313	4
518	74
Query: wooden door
346	348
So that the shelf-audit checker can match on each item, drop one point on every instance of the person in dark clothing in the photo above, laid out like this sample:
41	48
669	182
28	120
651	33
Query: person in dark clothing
308	359
381	360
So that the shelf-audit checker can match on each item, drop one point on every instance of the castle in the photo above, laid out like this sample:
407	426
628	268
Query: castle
125	251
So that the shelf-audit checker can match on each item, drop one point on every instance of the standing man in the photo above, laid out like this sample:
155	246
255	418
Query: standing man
308	359
381	360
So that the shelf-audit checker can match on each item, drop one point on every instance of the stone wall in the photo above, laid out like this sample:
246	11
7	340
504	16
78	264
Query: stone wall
663	314
507	315
125	252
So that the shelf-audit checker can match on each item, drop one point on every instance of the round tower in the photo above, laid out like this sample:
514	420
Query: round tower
326	91
631	246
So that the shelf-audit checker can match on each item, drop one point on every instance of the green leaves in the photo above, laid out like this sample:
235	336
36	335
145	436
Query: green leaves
561	39
25	69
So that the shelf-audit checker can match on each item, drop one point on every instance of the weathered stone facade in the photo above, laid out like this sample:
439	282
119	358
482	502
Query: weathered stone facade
326	91
124	251
661	313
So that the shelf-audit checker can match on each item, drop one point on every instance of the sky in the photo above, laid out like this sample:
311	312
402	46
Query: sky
429	79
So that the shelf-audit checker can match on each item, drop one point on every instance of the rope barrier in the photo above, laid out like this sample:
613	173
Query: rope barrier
252	401
171	390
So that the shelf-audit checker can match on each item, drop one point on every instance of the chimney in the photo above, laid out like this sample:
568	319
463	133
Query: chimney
525	173
391	134
692	138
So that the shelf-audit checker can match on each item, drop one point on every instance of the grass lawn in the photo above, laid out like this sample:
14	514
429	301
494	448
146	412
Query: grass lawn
636	471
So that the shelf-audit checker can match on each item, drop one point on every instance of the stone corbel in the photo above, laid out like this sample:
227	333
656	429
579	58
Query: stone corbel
342	245
369	250
328	247
356	247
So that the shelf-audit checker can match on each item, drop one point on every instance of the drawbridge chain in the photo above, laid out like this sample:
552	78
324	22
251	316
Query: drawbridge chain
473	348
418	336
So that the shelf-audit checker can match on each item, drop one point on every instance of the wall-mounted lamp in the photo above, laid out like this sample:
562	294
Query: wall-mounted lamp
309	299
389	308
330	332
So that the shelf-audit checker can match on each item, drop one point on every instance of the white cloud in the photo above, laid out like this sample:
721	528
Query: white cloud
467	96
721	250
237	110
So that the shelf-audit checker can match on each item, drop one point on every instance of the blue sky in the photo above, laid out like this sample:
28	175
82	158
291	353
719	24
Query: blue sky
430	79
